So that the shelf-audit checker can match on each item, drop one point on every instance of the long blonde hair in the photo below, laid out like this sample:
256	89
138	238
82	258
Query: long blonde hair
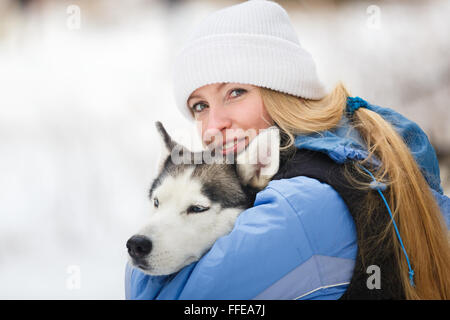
413	206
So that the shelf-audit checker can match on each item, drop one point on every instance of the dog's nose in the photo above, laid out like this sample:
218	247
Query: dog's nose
139	246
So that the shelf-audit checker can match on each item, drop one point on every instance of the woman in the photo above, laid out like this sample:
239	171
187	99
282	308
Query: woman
308	235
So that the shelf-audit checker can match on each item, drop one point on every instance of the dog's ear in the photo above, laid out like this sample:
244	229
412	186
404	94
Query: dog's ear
167	144
260	161
165	137
171	148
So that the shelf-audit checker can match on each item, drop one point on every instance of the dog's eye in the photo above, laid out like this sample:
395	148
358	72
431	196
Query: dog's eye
196	209
156	202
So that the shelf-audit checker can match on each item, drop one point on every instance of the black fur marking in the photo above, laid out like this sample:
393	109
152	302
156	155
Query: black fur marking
168	169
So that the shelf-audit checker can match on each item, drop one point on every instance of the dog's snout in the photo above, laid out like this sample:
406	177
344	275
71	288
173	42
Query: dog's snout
139	246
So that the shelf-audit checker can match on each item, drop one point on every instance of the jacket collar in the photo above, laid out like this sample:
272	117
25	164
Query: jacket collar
344	143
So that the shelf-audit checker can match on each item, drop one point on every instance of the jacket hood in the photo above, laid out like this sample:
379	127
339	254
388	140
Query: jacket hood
344	143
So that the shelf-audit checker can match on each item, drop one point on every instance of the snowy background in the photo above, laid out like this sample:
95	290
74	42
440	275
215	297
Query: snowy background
82	83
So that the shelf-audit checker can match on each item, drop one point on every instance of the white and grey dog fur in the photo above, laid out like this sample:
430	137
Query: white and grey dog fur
195	204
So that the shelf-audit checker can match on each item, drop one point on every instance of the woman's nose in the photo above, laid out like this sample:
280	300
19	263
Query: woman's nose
217	122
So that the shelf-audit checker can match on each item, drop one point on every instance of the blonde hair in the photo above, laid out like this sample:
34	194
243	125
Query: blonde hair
413	206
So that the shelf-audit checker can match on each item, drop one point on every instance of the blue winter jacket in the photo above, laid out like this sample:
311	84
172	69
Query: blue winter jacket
298	241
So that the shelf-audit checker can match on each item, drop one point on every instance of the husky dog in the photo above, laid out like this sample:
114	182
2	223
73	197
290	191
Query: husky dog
194	204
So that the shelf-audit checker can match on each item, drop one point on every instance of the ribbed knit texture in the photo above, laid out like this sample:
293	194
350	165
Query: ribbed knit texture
252	42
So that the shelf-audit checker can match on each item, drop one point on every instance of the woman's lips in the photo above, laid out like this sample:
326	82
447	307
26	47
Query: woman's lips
235	145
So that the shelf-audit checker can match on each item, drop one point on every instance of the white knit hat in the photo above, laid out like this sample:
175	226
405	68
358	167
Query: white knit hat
253	43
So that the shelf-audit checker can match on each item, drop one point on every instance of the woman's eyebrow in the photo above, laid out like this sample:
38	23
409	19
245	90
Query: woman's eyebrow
218	89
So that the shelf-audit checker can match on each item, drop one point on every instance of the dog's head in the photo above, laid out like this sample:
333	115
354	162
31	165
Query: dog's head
196	198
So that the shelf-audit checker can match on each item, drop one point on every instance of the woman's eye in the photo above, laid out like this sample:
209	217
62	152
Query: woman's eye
196	209
198	107
156	202
238	90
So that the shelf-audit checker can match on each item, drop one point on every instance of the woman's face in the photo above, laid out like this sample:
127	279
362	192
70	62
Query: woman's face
228	115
